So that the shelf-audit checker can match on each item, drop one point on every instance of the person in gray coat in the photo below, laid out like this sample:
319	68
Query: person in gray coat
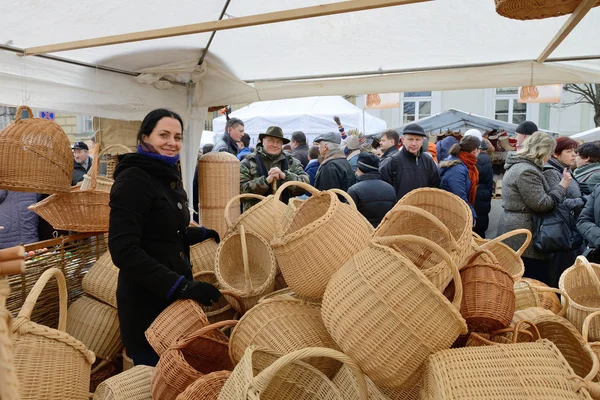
526	192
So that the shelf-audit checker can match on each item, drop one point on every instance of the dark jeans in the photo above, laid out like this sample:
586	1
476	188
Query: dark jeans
537	269
144	357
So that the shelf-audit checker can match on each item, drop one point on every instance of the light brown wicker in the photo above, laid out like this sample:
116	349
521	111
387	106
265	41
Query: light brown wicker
287	293
510	335
533	293
218	182
101	183
529	313
312	247
290	211
9	383
206	387
35	155
385	314
191	357
96	325
109	156
525	10
245	266
50	363
133	384
260	218
12	260
595	346
222	310
582	287
180	318
127	361
101	280
520	371
203	255
509	259
284	324
348	386
261	375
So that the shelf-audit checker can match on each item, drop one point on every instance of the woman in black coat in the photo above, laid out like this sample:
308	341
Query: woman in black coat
149	237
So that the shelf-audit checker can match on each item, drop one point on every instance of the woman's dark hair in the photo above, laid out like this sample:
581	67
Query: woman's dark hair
467	143
232	123
589	150
564	143
150	121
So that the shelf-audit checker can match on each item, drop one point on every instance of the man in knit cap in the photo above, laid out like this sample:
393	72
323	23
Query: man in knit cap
523	131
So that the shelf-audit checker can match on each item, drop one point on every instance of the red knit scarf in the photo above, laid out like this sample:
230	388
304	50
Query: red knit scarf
470	159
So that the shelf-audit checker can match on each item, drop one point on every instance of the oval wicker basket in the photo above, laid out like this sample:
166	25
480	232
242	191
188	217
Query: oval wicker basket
101	280
533	293
35	155
133	384
539	9
203	255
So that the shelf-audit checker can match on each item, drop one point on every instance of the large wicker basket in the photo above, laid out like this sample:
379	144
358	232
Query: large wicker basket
348	386
101	280
206	387
260	218
539	9
203	255
133	384
35	155
9	384
50	364
595	346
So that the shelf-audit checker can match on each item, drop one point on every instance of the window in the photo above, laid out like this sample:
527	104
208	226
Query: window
415	106
507	107
85	125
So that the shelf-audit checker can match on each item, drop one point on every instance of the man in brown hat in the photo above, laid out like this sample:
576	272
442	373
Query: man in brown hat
268	167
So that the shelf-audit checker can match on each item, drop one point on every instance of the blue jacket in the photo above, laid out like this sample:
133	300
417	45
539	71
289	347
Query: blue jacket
455	179
243	153
311	169
20	224
442	147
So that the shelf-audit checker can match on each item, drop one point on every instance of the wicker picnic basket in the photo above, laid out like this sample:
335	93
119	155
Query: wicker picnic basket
385	314
525	10
203	255
348	386
509	259
311	249
595	346
96	325
260	218
9	384
133	384
50	363
284	324
533	293
245	266
192	356
261	375
511	335
218	182
582	287
101	280
35	155
520	371
206	387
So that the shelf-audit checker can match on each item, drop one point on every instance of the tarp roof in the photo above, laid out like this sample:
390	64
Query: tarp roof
588	136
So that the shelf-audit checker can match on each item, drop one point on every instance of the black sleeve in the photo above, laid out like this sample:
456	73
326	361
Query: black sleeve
434	179
586	224
131	199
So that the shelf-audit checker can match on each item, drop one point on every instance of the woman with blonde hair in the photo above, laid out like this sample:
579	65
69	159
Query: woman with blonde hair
526	192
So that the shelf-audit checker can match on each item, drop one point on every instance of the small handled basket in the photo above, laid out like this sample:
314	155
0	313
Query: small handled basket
509	259
260	218
133	384
505	336
203	255
101	280
109	156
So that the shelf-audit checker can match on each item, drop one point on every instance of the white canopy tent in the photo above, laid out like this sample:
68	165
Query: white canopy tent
311	115
588	136
434	45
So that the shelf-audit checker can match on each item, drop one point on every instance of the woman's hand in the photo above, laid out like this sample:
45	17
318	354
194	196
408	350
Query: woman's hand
566	179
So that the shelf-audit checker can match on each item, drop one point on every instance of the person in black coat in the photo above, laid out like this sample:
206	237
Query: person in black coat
372	196
82	162
588	225
335	171
299	148
149	233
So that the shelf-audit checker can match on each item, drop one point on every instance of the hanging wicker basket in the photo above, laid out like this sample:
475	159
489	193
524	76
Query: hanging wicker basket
133	384
101	280
539	9
35	155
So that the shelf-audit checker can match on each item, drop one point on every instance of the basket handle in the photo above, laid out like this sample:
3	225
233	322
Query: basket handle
12	260
237	299
189	338
114	146
247	277
262	380
515	331
531	325
238	197
20	110
37	290
563	311
595	366
583	262
277	195
476	255
458	289
345	196
585	329
510	234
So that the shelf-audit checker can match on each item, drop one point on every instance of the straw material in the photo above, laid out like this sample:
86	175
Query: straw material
385	314
9	384
284	324
50	363
261	375
311	249
509	259
203	255
348	386
96	325
526	10
529	314
109	157
582	287
222	310
260	218
101	280
180	318
287	293
511	335
521	371
595	346
206	387
533	293
191	357
289	212
245	266
218	182
134	384
35	155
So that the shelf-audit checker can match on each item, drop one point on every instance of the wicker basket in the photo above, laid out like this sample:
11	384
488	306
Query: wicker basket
529	314
109	156
525	10
50	363
385	314
533	293
521	371
218	182
245	266
348	386
35	155
222	310
509	259
312	247
595	346
133	384
96	325
505	336
206	387
9	383
582	287
101	280
287	293
192	356
127	361
261	375
289	212
203	255
283	325
260	218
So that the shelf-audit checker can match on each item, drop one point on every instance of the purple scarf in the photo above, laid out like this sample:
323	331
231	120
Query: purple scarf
149	151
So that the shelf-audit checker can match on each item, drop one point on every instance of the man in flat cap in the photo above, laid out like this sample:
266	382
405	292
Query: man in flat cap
268	165
335	171
82	162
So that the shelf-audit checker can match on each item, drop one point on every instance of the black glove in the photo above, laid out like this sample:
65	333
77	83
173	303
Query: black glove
202	292
210	234
197	234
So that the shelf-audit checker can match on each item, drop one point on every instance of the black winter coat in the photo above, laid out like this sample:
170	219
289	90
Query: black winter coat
79	171
301	154
588	223
411	172
483	199
373	197
148	241
335	172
